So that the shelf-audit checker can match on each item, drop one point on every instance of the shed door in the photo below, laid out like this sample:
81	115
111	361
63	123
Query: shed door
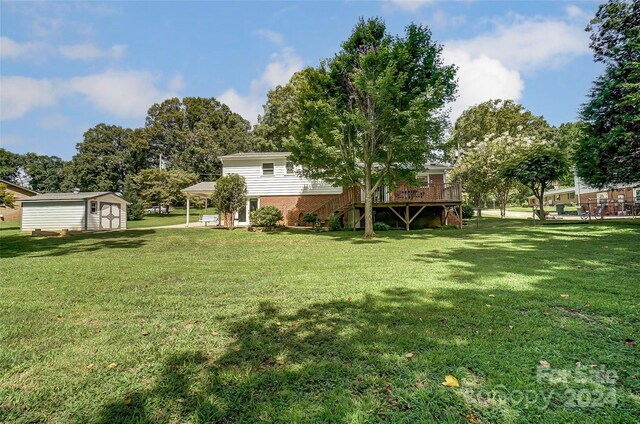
109	216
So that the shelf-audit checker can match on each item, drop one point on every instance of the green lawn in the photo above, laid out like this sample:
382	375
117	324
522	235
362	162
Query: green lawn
177	216
206	325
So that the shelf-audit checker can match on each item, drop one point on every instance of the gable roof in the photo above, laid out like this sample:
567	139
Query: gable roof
203	188
67	197
9	183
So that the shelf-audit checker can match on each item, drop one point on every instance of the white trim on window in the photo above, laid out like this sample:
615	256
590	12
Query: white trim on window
268	169
93	206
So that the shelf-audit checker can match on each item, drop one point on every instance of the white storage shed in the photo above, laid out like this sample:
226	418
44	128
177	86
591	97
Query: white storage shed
78	211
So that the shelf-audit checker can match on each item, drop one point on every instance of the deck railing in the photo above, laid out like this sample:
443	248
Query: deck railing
434	192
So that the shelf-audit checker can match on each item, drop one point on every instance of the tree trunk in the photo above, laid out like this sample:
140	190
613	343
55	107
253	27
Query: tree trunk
368	204
229	219
541	207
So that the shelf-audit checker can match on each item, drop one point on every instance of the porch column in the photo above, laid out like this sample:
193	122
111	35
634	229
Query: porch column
188	204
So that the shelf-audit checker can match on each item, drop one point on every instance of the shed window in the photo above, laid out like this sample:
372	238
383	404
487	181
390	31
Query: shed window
267	169
289	168
94	207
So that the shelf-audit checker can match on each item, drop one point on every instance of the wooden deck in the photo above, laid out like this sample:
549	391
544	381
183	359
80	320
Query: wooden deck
448	196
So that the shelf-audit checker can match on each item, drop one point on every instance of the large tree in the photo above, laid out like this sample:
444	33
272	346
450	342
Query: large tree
538	167
161	187
492	119
106	156
274	126
609	152
9	166
45	173
373	113
191	133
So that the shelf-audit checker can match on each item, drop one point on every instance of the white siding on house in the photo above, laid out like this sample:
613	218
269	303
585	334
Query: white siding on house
279	184
53	215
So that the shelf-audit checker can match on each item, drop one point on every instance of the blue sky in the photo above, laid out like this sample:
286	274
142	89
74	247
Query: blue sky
66	67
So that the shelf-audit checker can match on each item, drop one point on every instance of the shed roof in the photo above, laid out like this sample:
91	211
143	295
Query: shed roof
67	197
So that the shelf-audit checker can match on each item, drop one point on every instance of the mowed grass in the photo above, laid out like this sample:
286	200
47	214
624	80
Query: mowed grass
177	216
207	325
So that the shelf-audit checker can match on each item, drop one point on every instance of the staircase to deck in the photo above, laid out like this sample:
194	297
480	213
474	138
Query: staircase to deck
338	204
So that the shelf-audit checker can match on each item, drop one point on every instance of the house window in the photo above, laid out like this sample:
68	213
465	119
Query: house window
267	169
557	197
572	195
289	168
94	207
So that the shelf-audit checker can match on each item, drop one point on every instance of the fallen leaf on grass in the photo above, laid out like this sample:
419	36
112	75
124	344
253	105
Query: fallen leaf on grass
112	365
97	330
127	401
544	363
349	299
630	342
473	419
419	384
546	314
278	323
409	355
564	296
492	295
145	333
510	327
215	333
450	381
90	366
487	305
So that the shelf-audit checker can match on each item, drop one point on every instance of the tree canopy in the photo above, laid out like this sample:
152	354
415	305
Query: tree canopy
537	168
229	196
162	187
609	151
374	112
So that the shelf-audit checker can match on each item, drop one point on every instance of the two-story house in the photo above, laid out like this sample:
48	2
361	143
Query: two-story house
273	180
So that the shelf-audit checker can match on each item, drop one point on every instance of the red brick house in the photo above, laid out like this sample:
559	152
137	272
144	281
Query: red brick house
12	213
273	180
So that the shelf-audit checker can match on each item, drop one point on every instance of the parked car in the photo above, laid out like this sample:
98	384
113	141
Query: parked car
159	209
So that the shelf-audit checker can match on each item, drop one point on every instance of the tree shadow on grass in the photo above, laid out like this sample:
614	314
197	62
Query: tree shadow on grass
346	359
22	245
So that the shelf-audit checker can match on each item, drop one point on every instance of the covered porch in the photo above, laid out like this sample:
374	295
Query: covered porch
202	190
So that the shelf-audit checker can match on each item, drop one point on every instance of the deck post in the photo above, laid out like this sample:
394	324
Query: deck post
460	216
188	197
406	216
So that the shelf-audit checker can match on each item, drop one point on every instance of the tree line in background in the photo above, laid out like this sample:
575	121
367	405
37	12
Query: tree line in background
368	116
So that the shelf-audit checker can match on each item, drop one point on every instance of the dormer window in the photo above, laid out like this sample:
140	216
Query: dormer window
290	168
267	169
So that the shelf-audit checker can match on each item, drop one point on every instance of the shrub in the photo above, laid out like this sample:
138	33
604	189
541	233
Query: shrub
380	226
334	223
310	218
467	211
266	216
135	209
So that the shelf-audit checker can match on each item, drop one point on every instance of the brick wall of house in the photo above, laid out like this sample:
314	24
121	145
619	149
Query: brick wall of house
293	207
13	214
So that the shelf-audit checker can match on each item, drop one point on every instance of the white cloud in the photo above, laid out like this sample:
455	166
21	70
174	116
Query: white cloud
125	94
88	51
176	83
410	5
121	93
528	45
481	78
278	72
440	19
18	95
574	12
275	37
11	49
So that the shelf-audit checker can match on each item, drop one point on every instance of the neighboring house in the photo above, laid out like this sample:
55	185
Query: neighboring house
618	199
77	211
12	213
273	180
